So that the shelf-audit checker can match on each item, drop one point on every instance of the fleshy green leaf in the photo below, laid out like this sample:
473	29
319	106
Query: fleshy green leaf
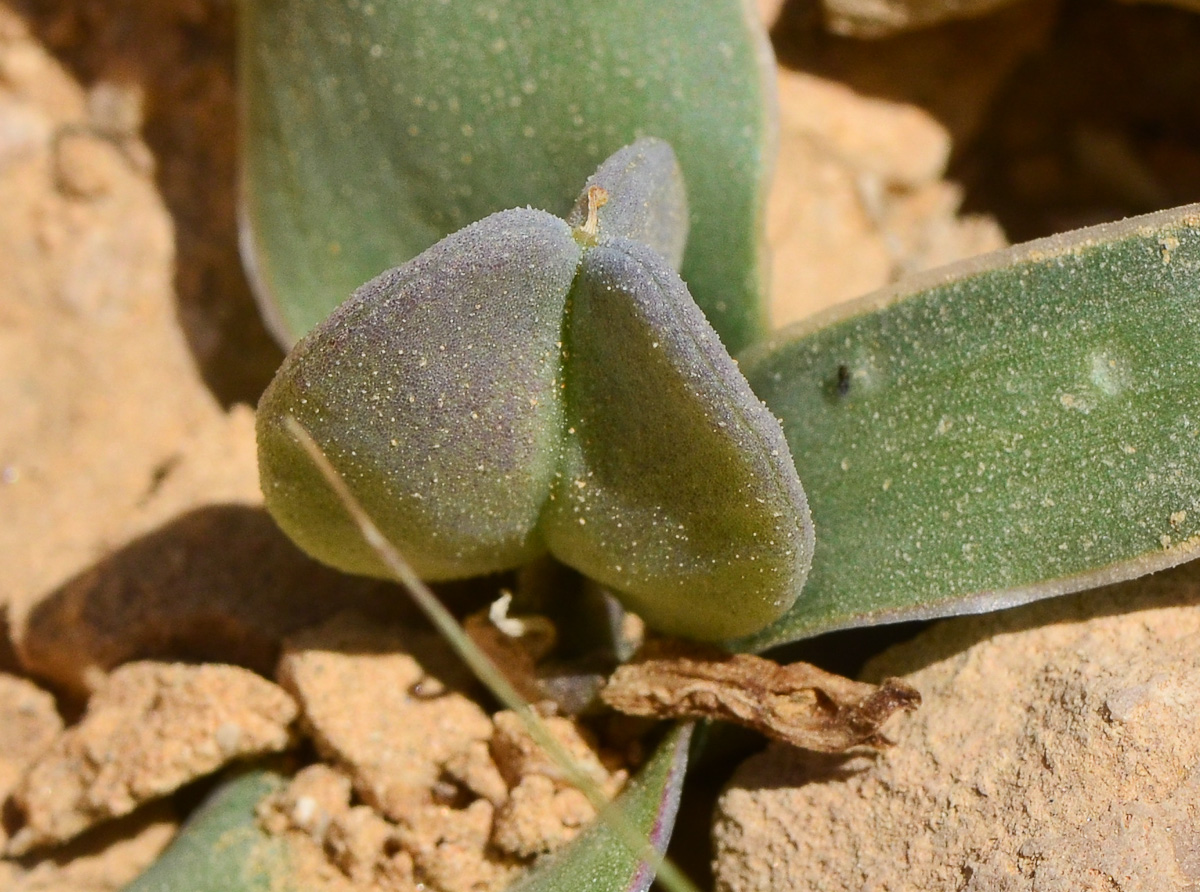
597	860
1020	426
677	489
433	391
373	129
524	387
222	849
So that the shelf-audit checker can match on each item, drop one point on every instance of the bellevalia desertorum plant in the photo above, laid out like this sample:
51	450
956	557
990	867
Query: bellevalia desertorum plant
1015	427
530	384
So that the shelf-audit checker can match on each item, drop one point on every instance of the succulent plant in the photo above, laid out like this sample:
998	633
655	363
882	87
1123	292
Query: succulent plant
541	381
530	385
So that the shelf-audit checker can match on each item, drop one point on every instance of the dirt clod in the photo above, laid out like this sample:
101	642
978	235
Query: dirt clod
28	724
517	755
105	860
345	847
87	166
454	799
315	795
219	583
149	730
474	768
449	849
360	692
858	199
109	429
355	838
539	816
1056	752
543	811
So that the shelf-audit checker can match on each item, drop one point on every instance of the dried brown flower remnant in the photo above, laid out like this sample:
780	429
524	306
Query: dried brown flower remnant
797	704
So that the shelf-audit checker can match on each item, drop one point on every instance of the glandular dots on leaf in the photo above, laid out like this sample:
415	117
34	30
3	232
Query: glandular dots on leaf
530	385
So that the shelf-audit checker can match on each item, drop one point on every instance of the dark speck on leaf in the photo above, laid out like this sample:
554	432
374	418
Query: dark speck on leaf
843	380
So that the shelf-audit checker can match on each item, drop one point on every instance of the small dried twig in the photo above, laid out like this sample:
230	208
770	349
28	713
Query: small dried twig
797	704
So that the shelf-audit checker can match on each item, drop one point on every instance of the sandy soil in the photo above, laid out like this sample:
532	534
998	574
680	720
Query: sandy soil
1055	752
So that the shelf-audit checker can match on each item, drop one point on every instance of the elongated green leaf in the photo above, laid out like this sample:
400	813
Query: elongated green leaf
597	861
372	129
222	848
1020	426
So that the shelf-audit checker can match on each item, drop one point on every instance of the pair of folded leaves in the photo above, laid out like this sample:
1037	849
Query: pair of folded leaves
532	385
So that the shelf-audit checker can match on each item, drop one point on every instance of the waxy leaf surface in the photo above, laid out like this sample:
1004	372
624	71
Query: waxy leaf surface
1024	425
374	129
222	848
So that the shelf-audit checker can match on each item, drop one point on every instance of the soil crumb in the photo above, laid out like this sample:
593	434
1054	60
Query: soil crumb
451	798
129	491
149	730
109	428
370	706
29	722
543	811
858	199
1056	751
105	860
219	583
342	846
